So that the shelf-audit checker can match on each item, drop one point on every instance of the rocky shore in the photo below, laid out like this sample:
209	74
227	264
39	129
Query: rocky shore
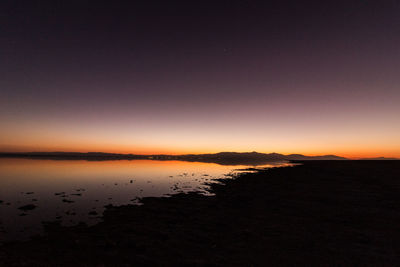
317	213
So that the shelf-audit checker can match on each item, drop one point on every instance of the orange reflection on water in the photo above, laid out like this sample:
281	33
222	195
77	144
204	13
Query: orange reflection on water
53	170
70	189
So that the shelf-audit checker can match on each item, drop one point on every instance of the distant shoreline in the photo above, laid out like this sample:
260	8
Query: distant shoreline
222	158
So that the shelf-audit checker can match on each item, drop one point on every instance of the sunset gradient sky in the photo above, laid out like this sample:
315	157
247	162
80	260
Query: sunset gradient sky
179	77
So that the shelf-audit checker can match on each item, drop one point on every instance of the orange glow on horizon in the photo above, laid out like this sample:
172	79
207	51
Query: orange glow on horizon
198	139
348	153
257	87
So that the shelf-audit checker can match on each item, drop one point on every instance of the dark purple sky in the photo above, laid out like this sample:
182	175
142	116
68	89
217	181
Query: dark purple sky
200	76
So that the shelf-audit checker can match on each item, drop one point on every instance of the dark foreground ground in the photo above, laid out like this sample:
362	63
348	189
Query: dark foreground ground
320	213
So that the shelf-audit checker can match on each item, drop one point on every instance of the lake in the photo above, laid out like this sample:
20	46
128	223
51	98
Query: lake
71	191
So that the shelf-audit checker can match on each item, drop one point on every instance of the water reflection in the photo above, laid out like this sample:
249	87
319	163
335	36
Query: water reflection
71	191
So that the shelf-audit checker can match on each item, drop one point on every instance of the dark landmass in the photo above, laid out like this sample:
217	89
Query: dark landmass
95	156
379	158
252	158
321	213
223	158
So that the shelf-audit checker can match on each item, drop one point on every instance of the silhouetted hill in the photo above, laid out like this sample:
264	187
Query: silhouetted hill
223	158
252	158
324	157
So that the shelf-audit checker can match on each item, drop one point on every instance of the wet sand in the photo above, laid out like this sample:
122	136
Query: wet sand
318	213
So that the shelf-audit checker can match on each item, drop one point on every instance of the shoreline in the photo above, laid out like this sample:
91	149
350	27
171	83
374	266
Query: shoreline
222	158
320	212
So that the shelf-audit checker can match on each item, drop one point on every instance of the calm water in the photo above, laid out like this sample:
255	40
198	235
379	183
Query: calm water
72	191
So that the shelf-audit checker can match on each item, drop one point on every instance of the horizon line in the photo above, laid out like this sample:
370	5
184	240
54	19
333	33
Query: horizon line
164	154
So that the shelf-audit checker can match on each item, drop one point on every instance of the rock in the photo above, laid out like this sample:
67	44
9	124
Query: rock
27	207
67	201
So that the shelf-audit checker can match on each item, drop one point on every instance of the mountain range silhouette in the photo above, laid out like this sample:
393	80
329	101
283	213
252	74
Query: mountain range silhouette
224	158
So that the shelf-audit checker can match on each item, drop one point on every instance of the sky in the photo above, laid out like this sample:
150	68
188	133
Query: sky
173	77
